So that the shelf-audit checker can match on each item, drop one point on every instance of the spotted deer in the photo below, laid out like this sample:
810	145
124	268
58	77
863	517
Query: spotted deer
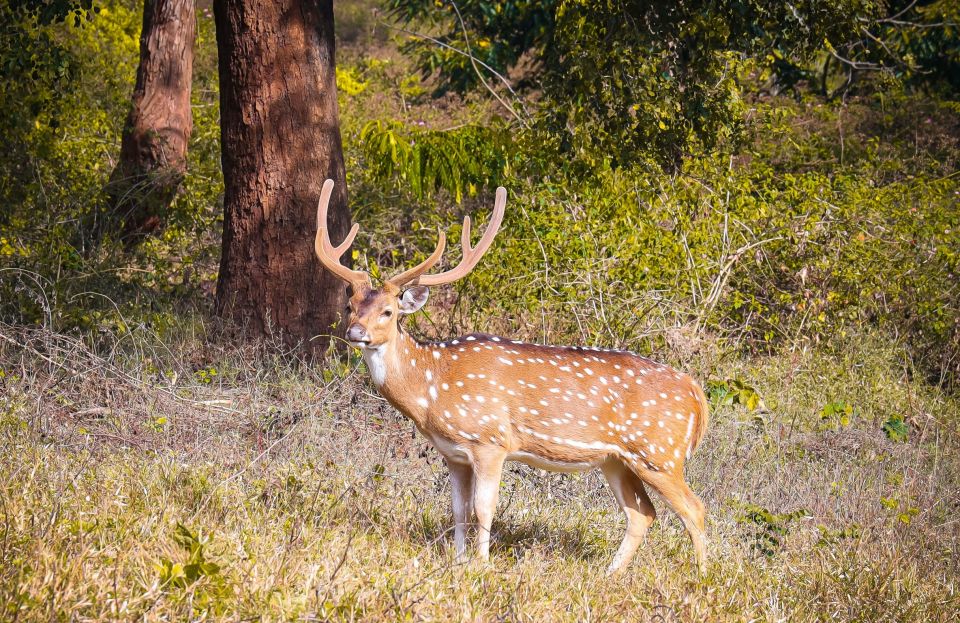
482	400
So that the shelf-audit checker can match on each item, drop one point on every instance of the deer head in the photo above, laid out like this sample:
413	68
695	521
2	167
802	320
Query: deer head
373	312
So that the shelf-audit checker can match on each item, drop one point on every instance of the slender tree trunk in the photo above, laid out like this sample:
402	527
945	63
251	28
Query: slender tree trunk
280	140
153	151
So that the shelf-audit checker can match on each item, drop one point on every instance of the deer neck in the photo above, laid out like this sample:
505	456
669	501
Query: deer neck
403	371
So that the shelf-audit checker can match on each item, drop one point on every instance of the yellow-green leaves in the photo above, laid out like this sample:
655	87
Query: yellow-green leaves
734	392
835	415
422	162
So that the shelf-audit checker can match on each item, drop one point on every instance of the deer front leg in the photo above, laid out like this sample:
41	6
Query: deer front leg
487	468
461	485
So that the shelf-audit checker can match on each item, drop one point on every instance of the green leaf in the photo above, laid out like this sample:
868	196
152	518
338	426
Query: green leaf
896	428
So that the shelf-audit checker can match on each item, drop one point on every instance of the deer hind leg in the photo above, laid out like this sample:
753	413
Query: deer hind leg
687	505
461	485
487	468
630	494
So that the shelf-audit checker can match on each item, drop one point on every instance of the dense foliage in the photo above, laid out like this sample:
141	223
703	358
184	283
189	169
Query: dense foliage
914	42
619	80
60	132
825	217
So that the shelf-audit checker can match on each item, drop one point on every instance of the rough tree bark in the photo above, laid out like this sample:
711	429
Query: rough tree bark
153	150
280	140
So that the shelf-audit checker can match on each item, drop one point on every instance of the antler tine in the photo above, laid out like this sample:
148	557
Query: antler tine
409	275
471	255
328	254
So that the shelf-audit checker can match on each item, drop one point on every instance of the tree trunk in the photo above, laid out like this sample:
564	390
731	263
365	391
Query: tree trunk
153	151
280	139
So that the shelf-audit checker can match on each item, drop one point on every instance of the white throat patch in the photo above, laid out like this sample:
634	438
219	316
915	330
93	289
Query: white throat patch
374	357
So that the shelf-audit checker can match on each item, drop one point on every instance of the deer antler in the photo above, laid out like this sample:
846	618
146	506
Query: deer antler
328	254
471	255
409	275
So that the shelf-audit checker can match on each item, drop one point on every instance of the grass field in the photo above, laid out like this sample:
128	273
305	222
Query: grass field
183	479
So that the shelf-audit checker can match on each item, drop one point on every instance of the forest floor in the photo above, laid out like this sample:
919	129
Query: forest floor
188	480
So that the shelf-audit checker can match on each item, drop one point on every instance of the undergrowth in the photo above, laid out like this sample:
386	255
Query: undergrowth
181	478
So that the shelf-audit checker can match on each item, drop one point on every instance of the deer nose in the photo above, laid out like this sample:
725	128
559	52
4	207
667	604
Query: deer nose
356	333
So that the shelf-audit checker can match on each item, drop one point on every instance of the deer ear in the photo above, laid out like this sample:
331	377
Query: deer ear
413	299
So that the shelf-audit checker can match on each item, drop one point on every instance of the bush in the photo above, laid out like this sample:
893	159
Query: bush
749	247
60	267
828	217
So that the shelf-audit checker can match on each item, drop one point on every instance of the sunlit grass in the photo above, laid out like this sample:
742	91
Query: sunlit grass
301	496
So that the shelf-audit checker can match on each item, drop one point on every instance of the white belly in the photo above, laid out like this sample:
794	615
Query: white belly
553	466
459	453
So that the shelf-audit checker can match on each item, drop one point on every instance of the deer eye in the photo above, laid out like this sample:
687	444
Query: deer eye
387	313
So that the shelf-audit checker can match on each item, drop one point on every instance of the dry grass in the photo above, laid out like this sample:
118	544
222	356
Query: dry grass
316	501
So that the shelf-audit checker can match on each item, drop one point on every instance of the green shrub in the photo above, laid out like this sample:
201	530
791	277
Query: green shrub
750	247
828	218
60	267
